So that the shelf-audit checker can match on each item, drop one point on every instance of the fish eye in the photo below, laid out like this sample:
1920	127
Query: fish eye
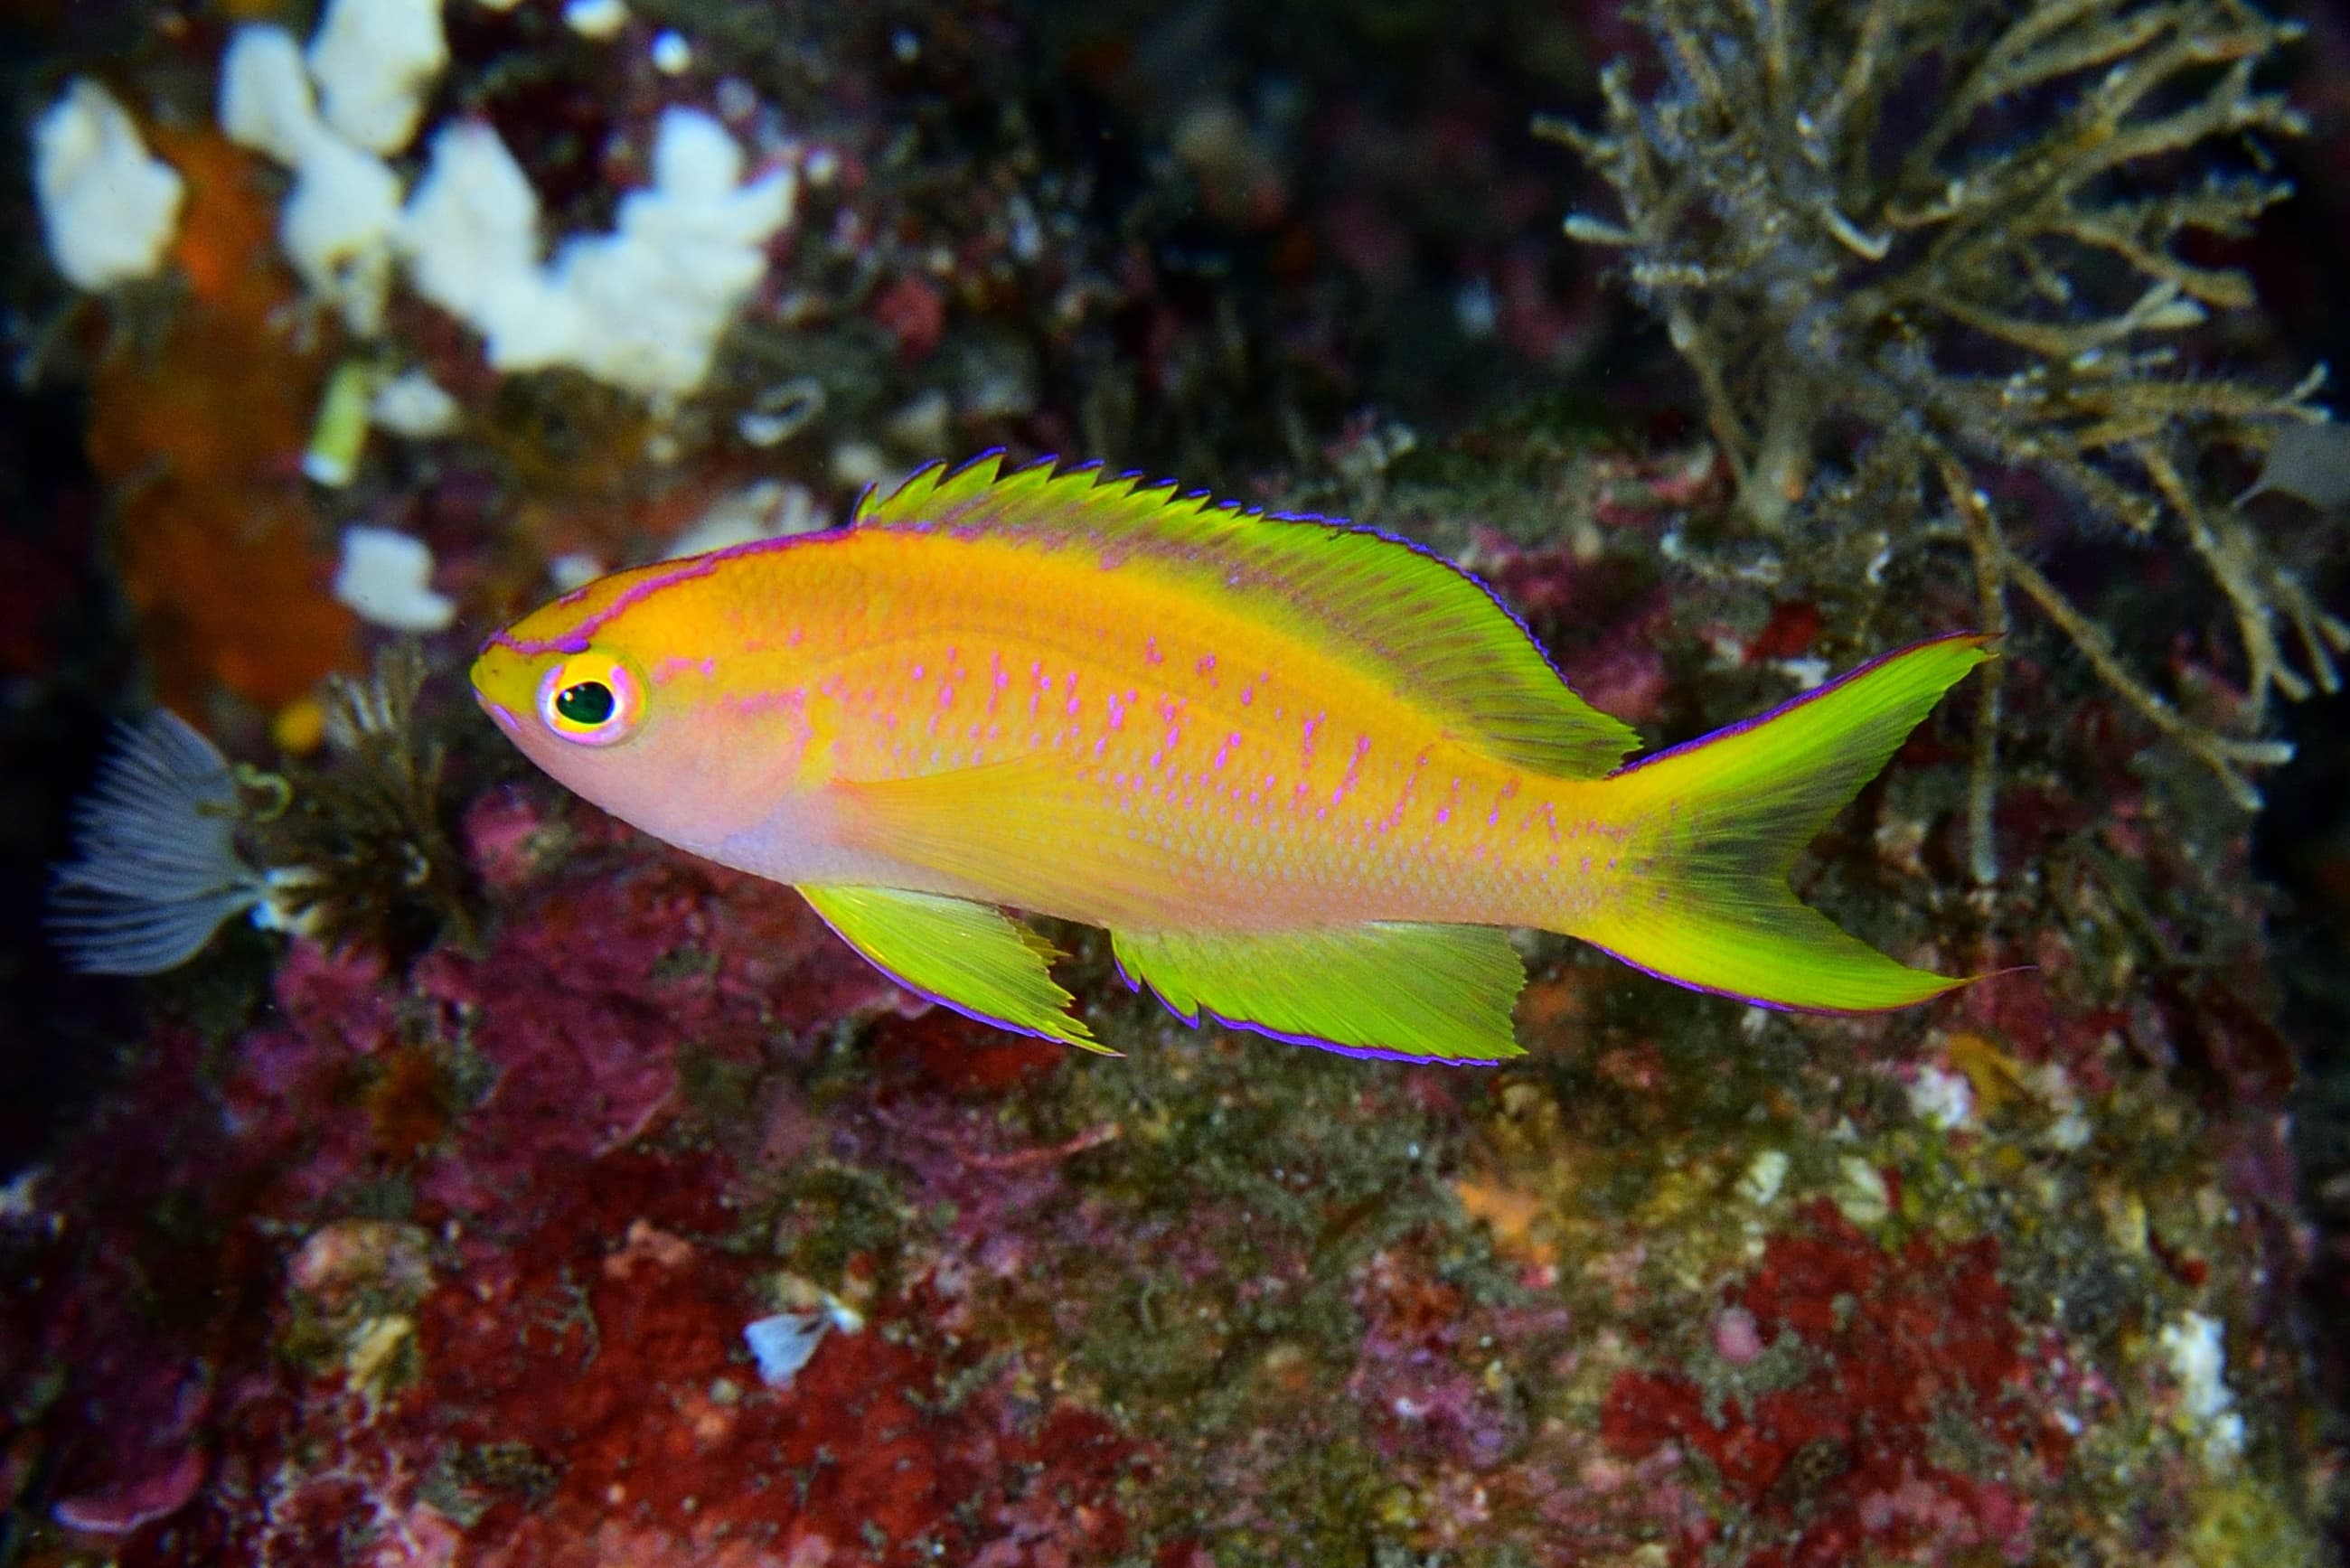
588	704
591	699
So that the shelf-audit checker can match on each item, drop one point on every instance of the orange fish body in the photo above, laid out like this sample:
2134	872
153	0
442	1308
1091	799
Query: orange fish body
1306	775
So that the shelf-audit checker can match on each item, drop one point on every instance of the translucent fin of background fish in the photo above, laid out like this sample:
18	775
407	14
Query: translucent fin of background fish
1306	774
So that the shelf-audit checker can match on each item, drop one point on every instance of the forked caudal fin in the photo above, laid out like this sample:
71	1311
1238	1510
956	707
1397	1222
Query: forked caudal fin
1723	818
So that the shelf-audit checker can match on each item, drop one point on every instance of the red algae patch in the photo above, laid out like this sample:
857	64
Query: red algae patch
624	1372
1849	1458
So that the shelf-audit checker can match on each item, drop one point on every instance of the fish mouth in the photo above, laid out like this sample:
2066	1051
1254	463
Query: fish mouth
499	711
499	669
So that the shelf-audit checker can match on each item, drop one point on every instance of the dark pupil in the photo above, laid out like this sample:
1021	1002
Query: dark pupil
589	702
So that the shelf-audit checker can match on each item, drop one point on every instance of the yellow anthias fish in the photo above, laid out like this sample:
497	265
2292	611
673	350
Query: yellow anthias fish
1304	772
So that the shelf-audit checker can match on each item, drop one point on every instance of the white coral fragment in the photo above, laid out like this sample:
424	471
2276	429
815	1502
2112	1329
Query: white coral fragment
470	233
1764	1175
337	223
1944	1101
386	577
336	228
109	210
266	102
2196	1349
375	61
414	405
784	1343
640	308
597	19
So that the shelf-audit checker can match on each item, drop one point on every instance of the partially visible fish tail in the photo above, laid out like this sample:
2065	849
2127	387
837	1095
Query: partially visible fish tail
1717	823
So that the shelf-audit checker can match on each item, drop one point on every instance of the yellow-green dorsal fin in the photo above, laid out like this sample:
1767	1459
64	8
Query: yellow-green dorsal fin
1432	630
1415	993
974	958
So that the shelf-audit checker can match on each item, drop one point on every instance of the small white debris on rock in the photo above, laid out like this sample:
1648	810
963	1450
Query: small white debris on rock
375	61
923	422
1475	310
769	509
109	210
859	463
412	404
574	569
1861	1194
290	902
1765	1174
2070	1130
20	1200
781	412
1944	1101
2196	1348
1809	672
597	19
784	1343
386	577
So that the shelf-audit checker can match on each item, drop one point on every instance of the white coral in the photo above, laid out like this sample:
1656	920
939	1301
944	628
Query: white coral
337	223
642	307
109	210
375	61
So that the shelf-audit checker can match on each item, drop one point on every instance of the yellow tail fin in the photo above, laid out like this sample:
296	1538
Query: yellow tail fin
1725	817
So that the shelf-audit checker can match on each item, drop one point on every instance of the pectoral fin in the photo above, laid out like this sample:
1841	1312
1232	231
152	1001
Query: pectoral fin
971	957
1416	993
1023	829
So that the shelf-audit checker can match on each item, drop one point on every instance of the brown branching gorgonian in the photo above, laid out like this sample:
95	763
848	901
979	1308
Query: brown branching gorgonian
1954	240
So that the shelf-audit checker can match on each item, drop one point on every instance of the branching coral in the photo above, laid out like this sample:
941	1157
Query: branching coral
1952	237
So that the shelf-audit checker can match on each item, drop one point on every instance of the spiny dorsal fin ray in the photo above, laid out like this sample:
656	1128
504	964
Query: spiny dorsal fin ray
1436	632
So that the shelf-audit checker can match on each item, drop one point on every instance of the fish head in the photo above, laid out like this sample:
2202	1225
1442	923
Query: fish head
631	700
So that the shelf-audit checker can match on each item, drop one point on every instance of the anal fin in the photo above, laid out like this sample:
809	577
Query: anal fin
970	956
1413	992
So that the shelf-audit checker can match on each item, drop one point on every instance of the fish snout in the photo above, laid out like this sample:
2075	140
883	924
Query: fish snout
502	679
